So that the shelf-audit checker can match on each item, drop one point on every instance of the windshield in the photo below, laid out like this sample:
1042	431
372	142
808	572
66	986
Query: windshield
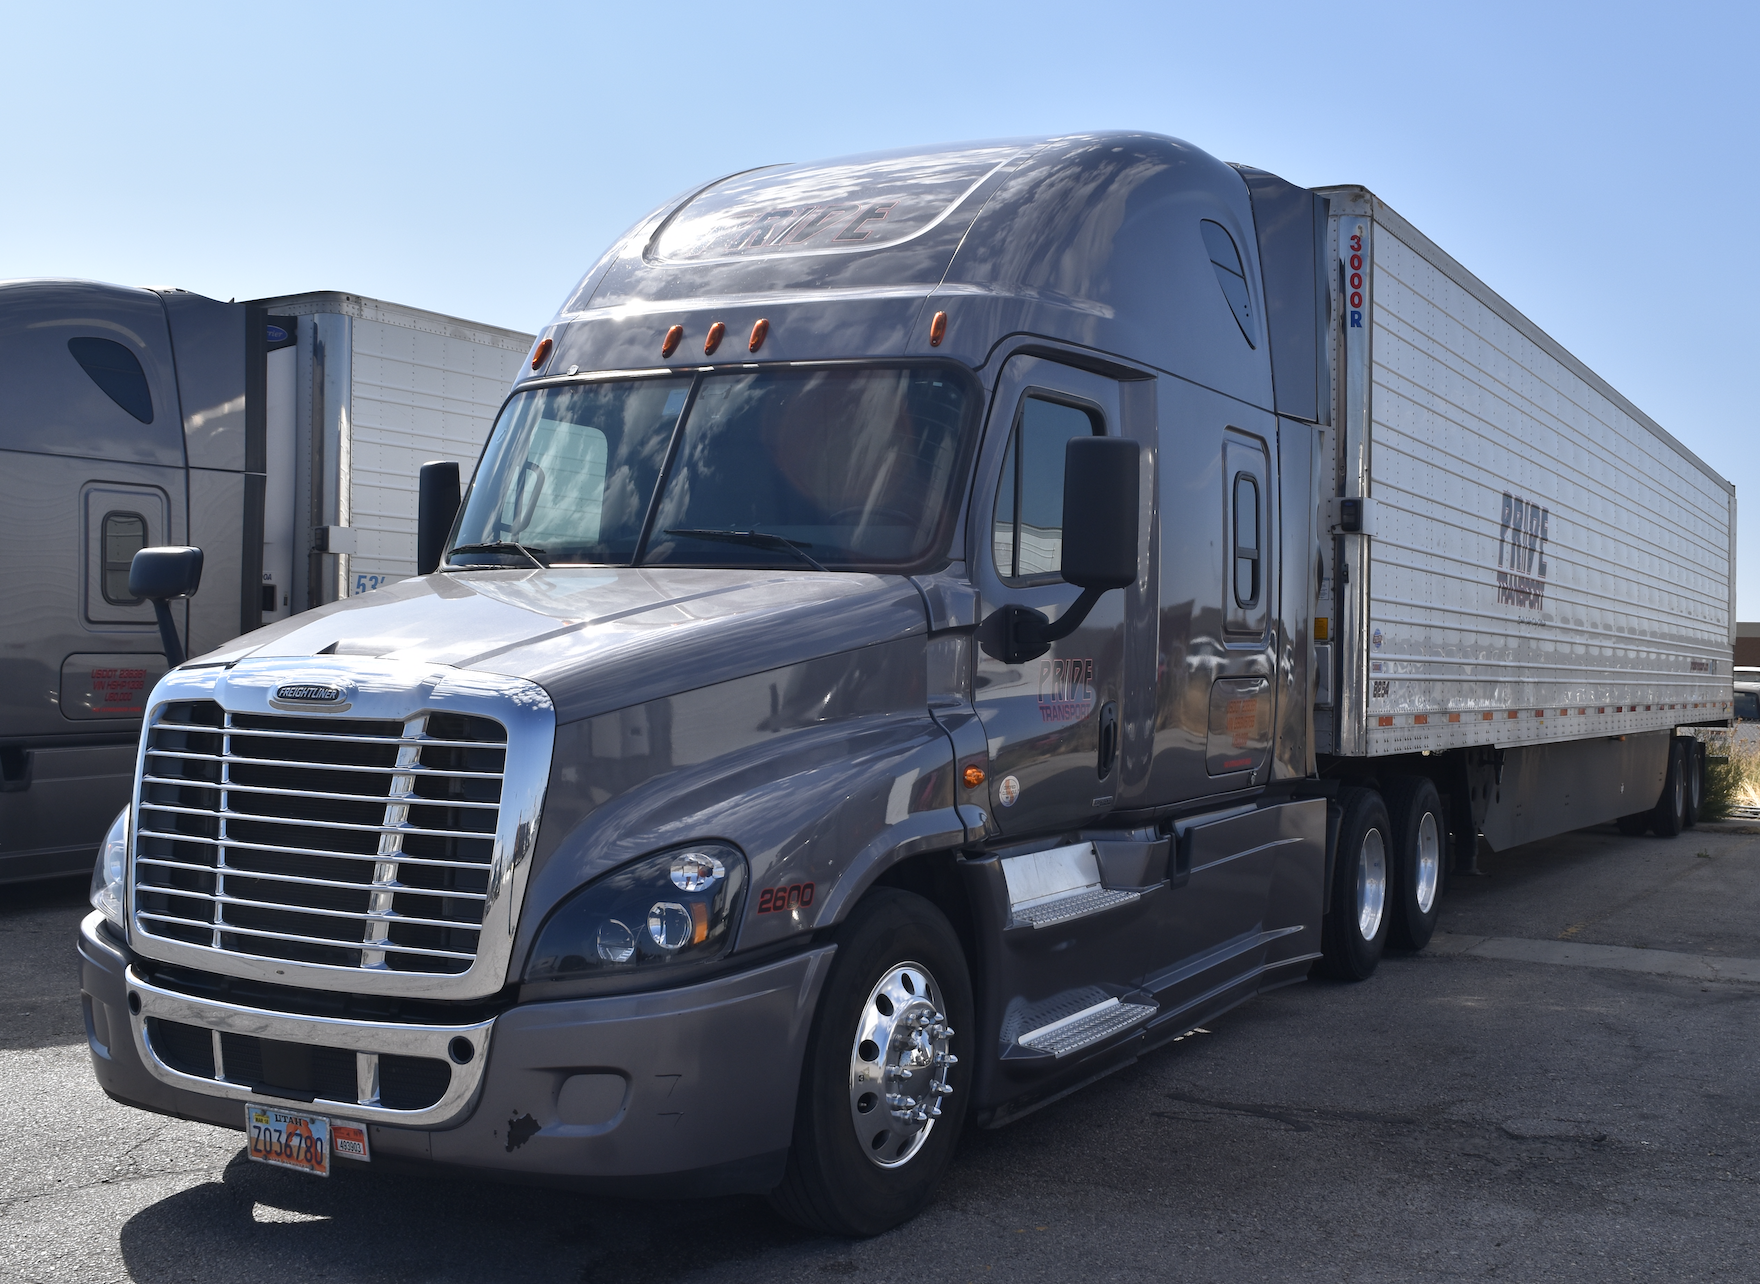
836	468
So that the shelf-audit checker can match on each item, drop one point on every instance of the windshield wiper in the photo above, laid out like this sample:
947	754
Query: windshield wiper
757	539
504	546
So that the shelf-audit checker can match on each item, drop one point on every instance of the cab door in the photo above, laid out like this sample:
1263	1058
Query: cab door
1053	723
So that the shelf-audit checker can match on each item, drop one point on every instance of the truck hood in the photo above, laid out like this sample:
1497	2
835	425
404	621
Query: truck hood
598	638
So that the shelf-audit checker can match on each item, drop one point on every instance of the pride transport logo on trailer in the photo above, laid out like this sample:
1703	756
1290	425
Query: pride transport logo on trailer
1521	535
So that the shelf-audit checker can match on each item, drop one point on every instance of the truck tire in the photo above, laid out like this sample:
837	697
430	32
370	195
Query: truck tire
1418	856
1355	930
1670	815
883	1093
1695	757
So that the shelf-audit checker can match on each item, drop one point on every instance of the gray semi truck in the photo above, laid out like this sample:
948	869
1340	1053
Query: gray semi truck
281	436
925	629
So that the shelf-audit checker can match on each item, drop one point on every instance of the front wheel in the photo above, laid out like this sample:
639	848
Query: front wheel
1355	930
883	1091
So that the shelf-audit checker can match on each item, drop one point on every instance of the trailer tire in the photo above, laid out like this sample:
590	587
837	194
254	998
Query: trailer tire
834	1183
1354	932
1418	858
1670	815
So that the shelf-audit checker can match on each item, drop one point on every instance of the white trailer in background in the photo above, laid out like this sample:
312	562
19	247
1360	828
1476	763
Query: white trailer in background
265	432
359	394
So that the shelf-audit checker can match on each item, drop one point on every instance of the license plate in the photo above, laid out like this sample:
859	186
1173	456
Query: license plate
288	1139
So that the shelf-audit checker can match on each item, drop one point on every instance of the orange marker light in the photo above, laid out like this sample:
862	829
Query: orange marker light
937	329
541	352
714	340
699	922
760	332
974	776
670	344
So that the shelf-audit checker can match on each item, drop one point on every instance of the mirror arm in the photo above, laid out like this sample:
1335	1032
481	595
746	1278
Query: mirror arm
1017	634
168	638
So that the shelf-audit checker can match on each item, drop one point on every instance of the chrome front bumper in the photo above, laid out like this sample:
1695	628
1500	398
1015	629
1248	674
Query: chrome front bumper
367	1040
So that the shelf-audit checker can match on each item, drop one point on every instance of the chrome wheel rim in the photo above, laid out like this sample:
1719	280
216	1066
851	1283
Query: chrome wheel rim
1429	861
898	1065
1371	884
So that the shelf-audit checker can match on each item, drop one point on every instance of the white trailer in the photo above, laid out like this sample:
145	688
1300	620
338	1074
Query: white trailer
1520	557
359	394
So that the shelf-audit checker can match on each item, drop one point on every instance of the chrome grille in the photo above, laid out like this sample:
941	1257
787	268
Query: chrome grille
343	842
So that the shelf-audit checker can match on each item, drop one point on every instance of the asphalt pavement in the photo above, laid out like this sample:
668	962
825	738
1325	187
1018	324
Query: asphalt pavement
1563	1087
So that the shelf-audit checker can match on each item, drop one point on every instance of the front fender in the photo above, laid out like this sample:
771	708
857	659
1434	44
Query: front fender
823	773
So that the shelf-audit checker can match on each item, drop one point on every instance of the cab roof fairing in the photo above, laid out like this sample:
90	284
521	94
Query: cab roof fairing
1089	239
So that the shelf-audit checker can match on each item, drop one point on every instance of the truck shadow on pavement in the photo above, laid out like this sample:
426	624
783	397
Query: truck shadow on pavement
391	1227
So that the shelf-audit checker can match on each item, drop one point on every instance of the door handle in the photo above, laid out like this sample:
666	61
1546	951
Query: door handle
1108	738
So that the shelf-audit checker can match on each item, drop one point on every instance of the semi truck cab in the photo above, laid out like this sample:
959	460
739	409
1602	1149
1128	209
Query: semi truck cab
867	685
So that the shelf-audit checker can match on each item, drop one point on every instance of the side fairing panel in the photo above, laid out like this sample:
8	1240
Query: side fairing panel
1196	649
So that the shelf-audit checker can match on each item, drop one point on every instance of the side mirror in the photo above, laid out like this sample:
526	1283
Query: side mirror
159	575
1101	476
436	506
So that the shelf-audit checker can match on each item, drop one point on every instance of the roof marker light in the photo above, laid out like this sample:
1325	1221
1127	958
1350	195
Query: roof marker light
714	340
760	331
669	345
540	352
937	329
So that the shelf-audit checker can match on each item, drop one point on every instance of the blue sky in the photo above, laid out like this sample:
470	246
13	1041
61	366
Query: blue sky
1595	164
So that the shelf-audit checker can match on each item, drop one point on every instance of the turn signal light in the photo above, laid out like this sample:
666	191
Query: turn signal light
760	331
714	340
974	776
541	352
669	345
937	329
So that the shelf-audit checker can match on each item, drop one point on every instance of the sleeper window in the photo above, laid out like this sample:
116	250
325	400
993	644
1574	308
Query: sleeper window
1246	540
124	535
1225	258
1247	567
1028	526
117	371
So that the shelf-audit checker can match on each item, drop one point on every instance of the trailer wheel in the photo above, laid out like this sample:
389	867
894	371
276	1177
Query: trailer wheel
1416	864
883	1094
1670	815
1695	757
1355	930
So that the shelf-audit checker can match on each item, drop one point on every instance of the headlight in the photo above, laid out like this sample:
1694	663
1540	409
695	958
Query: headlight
111	869
675	907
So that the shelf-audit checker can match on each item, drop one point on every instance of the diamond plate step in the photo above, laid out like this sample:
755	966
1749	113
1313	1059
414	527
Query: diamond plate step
1064	908
1087	1027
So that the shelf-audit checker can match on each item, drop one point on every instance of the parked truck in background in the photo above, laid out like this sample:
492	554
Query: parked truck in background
281	436
925	629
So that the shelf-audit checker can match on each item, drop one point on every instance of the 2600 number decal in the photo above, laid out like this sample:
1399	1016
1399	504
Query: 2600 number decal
773	900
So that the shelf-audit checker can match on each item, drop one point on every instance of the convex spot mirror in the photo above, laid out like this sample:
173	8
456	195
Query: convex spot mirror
1100	511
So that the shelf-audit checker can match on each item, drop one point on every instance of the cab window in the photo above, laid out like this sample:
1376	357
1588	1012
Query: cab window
1027	529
